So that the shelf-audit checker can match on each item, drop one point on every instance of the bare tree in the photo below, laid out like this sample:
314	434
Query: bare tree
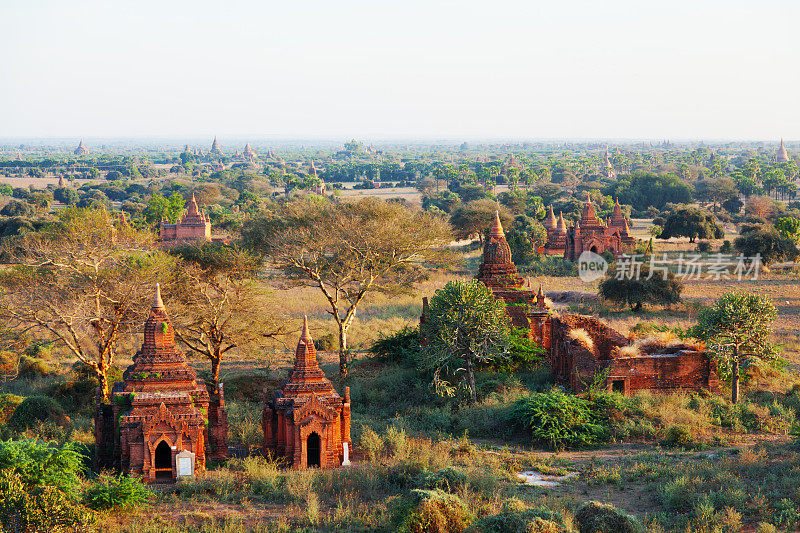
83	282
223	305
347	250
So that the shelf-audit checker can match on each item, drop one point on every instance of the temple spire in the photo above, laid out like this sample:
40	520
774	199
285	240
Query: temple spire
497	226
306	334
158	303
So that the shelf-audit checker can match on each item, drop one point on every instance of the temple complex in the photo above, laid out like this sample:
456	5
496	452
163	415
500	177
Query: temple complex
161	412
307	423
589	234
782	156
194	227
81	149
580	346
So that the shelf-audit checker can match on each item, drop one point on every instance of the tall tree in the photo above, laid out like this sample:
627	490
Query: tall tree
224	307
348	250
464	325
84	283
693	223
738	325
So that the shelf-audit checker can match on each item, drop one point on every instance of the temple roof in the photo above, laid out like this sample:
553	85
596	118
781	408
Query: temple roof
562	226
550	220
215	148
497	270
306	378
159	366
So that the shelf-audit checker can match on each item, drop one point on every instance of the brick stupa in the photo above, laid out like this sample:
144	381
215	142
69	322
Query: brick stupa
160	410
497	270
194	227
307	423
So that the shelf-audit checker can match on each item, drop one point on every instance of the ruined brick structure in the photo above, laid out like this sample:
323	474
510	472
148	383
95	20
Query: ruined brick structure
581	347
193	228
159	410
307	423
589	234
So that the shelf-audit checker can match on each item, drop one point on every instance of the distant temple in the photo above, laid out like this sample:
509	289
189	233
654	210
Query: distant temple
194	227
319	184
782	156
249	154
81	149
215	149
589	234
609	168
579	347
307	423
161	423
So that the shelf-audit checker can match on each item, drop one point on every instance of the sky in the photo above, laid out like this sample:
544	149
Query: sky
403	69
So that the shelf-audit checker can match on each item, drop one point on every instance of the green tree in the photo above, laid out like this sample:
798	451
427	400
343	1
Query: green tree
644	189
66	195
693	223
160	208
473	218
789	227
644	286
764	240
348	250
465	325
736	326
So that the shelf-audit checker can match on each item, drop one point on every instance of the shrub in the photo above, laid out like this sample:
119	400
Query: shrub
396	443
8	403
678	437
371	442
430	511
110	492
37	409
559	420
515	517
403	346
448	479
703	246
38	508
41	463
596	517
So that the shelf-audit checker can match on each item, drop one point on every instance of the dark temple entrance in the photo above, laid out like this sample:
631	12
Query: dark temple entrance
313	450
163	461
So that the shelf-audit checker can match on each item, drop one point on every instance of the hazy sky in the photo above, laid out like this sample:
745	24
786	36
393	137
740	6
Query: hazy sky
677	69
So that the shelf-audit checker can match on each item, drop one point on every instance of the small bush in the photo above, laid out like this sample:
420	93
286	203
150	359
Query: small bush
37	409
559	420
678	437
596	517
8	403
371	443
110	492
703	246
38	508
430	511
448	479
515	517
402	347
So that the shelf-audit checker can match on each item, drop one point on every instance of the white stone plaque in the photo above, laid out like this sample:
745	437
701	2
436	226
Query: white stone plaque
184	462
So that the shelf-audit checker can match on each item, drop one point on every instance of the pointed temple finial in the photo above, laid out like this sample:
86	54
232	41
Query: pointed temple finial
158	303
306	334
497	226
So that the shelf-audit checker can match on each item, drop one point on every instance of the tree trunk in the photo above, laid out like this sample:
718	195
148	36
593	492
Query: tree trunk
342	351
473	395
215	364
103	378
735	376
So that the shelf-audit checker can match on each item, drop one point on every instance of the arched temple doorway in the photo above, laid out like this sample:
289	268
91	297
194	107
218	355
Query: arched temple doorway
313	450
163	460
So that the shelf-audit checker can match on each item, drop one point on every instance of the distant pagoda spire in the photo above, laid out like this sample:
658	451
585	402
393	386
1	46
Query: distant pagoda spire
215	148
782	156
550	221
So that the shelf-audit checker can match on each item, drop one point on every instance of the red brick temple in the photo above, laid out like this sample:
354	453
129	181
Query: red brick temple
580	346
591	233
307	423
160	410
194	227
